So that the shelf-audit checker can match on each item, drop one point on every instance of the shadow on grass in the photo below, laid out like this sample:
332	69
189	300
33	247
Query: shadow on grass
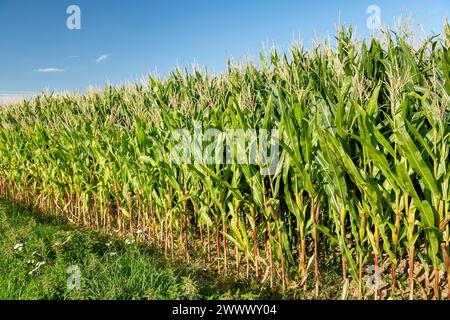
210	285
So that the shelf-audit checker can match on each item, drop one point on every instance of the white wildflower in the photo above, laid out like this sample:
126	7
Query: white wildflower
38	265
18	246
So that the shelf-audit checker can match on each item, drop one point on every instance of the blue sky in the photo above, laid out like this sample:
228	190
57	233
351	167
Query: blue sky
135	38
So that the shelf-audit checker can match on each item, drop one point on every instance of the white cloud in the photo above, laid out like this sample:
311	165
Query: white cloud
46	70
73	57
102	57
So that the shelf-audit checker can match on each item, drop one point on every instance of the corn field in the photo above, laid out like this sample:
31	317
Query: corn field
362	178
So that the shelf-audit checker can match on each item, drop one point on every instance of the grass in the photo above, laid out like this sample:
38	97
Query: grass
110	268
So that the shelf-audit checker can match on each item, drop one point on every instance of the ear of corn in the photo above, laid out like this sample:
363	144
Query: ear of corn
363	171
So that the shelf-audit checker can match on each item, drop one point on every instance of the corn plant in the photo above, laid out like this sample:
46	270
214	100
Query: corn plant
362	178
